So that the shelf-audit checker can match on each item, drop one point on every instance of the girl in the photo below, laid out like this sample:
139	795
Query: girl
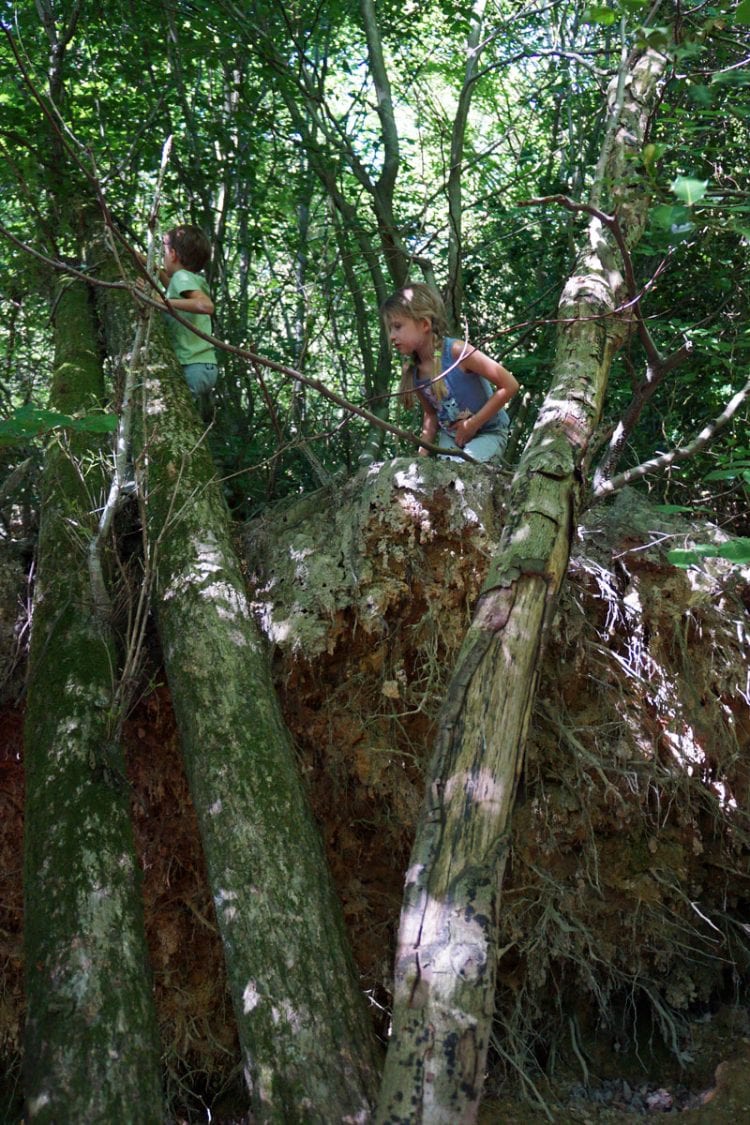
462	391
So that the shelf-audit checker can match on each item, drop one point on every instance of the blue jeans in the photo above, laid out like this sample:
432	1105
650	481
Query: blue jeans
484	447
201	377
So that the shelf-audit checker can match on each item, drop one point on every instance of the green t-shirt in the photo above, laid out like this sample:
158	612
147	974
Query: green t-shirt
188	347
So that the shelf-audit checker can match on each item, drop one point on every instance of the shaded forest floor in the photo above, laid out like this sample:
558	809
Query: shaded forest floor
626	917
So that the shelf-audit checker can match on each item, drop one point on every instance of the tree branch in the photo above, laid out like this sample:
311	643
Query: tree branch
682	453
656	373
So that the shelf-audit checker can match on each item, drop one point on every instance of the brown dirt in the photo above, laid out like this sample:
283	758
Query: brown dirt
626	902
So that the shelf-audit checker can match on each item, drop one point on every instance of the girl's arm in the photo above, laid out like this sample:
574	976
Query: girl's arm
193	301
190	300
477	363
429	424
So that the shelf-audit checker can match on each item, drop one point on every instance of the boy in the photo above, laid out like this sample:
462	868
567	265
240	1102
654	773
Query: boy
186	252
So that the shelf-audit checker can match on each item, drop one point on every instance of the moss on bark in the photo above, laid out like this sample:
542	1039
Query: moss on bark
308	1046
91	1049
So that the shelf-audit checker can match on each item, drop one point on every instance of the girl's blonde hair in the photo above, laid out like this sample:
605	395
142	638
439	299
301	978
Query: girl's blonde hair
417	301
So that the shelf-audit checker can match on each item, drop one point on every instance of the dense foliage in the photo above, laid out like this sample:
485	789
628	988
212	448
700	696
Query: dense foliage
333	151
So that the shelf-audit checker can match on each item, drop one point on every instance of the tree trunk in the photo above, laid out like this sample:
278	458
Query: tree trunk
455	291
447	949
308	1047
92	1050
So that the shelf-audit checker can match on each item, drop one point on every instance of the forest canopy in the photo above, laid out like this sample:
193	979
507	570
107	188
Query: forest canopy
330	153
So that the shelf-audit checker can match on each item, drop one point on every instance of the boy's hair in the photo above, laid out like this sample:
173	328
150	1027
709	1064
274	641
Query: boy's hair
191	246
418	301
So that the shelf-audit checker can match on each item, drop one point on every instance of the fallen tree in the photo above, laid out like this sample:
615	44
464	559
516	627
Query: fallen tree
307	1044
91	1045
630	843
447	951
626	891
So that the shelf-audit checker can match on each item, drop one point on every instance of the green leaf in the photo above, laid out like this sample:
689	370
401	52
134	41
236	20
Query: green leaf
667	217
742	15
674	219
599	14
651	153
685	558
700	94
730	78
95	424
736	550
675	509
730	472
655	37
689	190
689	49
32	421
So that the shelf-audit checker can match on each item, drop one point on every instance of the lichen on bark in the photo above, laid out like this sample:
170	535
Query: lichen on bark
91	1046
308	1048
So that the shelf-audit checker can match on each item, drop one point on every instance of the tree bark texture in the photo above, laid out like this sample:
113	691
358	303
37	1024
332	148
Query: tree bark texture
308	1047
447	947
92	1049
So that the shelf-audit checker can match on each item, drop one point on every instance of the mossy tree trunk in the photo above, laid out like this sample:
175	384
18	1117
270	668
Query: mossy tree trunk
447	948
308	1047
91	1050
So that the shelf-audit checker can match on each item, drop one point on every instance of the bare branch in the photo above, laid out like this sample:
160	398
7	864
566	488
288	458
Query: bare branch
682	453
656	373
123	440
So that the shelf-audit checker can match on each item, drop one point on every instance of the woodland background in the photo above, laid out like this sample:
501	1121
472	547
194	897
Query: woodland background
331	152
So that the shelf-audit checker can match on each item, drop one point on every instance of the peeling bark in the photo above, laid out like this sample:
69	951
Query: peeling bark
92	1049
445	961
308	1048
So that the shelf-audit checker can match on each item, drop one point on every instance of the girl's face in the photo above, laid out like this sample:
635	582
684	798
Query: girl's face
407	335
170	258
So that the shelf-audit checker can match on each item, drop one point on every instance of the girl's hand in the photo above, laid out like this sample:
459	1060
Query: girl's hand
149	291
464	431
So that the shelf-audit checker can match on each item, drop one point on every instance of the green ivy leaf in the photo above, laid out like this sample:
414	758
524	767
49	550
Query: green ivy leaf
95	424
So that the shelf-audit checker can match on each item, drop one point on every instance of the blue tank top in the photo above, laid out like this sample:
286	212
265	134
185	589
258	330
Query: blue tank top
466	392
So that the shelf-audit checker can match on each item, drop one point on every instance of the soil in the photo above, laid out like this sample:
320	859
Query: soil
622	989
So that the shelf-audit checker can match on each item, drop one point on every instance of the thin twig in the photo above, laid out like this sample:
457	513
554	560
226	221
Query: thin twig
682	453
123	440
